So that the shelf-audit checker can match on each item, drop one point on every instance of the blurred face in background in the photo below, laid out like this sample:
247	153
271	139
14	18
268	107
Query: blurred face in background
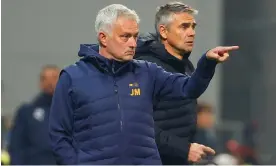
205	119
48	79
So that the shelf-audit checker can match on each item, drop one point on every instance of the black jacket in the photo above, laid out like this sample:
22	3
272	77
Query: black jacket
29	144
175	120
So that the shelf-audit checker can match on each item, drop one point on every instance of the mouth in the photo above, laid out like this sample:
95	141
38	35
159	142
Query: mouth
130	52
190	42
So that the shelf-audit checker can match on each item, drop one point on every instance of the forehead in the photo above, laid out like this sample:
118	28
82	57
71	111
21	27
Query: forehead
179	18
126	25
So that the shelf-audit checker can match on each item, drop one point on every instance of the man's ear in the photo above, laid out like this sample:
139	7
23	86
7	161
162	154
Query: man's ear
163	31
102	38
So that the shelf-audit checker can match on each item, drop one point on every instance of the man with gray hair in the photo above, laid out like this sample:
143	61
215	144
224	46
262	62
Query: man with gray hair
101	111
170	48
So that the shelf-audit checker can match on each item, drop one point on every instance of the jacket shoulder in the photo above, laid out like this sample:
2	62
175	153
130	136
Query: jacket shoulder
23	110
157	61
144	64
76	70
23	107
147	57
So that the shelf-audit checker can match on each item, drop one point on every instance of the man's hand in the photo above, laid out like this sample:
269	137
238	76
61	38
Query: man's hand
198	151
220	54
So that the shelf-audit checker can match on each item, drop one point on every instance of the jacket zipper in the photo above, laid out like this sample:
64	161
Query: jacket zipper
118	104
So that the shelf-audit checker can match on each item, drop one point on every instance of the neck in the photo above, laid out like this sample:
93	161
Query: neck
173	51
103	52
107	55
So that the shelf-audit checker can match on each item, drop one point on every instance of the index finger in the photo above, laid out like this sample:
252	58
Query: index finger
230	48
209	150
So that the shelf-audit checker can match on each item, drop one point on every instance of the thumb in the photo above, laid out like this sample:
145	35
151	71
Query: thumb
212	55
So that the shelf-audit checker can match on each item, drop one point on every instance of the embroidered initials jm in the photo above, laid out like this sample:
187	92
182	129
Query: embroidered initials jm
135	92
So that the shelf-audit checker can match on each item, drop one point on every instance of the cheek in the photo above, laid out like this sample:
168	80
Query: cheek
176	38
182	36
112	46
119	49
212	119
209	120
122	46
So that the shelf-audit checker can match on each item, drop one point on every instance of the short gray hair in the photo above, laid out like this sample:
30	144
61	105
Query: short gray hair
109	14
164	14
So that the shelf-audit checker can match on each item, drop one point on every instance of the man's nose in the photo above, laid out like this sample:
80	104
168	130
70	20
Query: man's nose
191	32
132	42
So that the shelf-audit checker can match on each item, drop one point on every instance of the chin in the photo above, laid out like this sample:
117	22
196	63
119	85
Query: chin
189	50
128	58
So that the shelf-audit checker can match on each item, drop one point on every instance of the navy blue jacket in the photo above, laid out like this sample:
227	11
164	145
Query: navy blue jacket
175	120
102	109
30	143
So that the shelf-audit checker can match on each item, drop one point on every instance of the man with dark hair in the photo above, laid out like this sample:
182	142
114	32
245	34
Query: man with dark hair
29	144
170	48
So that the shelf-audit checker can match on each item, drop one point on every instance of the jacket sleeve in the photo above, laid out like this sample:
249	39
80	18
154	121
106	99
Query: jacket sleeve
19	140
61	123
168	85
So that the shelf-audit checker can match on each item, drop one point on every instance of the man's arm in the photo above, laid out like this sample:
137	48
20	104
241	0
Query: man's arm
18	141
168	85
61	123
176	85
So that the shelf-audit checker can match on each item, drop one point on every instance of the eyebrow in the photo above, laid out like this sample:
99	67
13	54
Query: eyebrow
131	34
188	23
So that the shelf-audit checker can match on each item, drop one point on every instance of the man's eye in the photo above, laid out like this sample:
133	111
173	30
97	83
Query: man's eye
185	26
188	25
125	36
